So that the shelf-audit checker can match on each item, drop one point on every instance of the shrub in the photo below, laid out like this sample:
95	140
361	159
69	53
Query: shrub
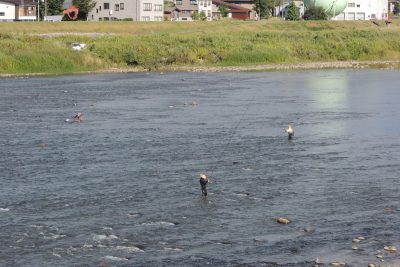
315	13
292	13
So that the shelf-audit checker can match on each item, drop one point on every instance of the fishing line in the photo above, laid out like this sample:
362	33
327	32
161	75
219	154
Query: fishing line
233	131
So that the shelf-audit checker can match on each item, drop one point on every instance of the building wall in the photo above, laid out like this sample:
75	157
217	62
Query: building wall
206	7
26	12
137	10
7	11
365	10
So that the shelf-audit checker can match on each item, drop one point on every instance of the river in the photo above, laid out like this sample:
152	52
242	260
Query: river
122	187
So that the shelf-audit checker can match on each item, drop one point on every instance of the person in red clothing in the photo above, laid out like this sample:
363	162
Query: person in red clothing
79	117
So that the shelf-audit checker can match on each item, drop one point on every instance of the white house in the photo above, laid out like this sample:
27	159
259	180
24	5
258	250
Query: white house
136	10
11	10
282	10
206	6
7	11
365	10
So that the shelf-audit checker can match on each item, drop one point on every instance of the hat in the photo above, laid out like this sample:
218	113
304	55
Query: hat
203	176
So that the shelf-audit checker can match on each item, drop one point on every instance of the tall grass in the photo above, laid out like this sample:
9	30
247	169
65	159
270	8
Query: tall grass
31	54
222	43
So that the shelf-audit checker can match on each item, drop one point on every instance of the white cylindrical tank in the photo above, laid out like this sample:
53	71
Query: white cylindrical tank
331	7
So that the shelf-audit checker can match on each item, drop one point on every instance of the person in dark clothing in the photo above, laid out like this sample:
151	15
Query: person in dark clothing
203	183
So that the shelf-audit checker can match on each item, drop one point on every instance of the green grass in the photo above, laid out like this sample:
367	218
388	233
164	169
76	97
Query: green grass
30	47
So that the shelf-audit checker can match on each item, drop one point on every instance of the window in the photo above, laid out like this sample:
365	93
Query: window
193	2
106	18
121	6
147	7
145	18
106	5
99	8
116	7
373	16
158	18
2	14
157	7
351	5
179	2
358	5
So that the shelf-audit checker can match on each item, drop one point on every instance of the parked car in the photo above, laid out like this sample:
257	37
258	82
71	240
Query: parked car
78	46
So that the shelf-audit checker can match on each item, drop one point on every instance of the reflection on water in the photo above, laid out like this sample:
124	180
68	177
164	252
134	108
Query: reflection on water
122	189
329	91
329	94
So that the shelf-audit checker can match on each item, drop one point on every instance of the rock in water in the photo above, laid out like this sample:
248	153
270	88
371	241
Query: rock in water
283	220
390	248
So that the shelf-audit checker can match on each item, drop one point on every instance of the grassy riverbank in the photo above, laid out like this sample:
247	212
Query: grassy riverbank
44	47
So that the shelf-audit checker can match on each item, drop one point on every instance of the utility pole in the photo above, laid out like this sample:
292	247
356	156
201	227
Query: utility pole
334	9
45	8
38	10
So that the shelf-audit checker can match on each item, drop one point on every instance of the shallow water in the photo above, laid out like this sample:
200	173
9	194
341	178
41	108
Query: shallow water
121	188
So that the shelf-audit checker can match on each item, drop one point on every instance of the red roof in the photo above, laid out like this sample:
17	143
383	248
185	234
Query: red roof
233	7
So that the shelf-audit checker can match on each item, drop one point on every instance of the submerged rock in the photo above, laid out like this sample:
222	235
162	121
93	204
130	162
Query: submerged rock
309	230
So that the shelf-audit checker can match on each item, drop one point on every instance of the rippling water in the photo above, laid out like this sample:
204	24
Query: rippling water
121	188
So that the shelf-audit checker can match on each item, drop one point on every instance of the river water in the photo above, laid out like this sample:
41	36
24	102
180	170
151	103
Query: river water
121	188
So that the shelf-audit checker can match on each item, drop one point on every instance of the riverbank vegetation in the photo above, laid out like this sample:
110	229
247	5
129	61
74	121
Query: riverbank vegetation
45	47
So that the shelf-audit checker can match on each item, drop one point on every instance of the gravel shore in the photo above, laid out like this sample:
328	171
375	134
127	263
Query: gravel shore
384	64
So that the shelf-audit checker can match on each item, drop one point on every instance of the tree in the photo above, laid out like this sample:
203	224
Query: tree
292	13
264	7
223	10
51	7
202	15
84	6
195	15
396	9
315	13
168	3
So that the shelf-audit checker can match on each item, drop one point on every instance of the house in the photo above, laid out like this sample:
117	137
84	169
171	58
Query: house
171	13
365	10
136	10
282	10
206	6
18	10
211	9
237	11
249	4
187	8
